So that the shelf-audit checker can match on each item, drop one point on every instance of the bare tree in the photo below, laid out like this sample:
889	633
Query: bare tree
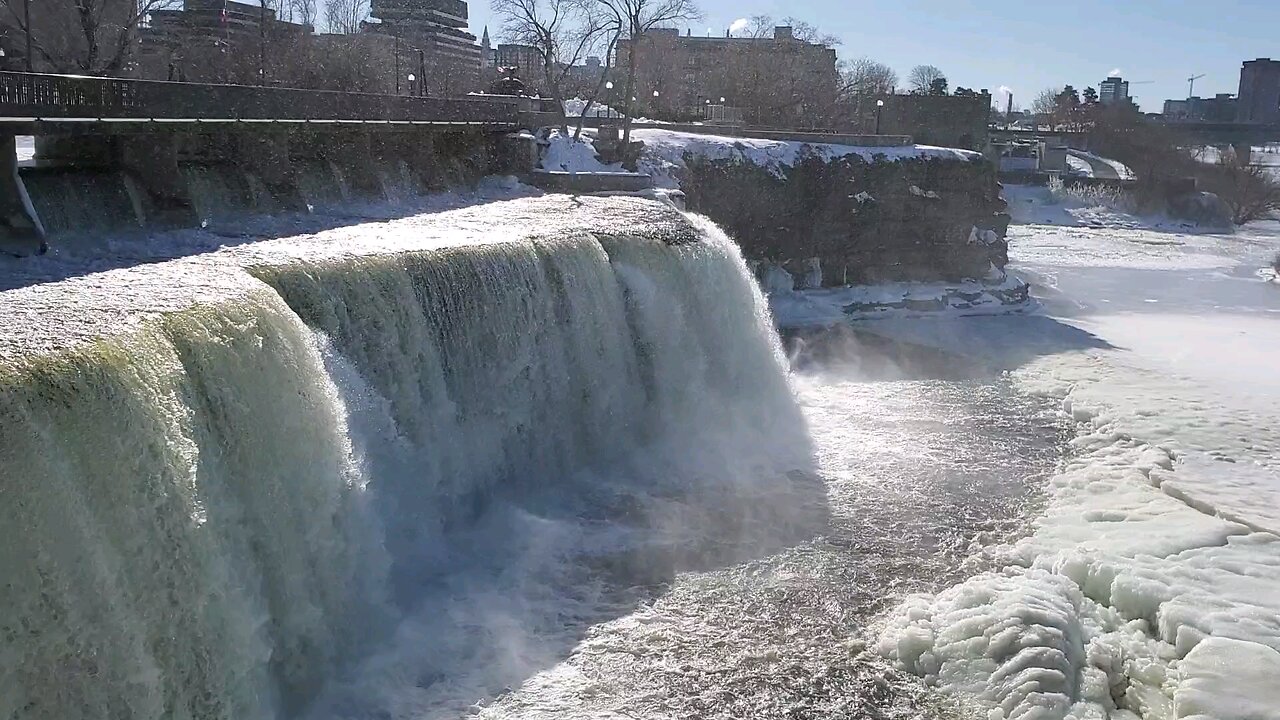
1250	191
345	16
612	32
88	37
923	77
304	12
865	76
1045	105
763	26
635	18
806	32
562	31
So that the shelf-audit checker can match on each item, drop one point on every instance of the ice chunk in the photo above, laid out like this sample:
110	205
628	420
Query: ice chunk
1226	679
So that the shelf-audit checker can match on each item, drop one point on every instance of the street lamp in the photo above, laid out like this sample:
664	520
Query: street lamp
879	107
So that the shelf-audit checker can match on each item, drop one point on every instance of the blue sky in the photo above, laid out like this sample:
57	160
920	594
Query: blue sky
1028	45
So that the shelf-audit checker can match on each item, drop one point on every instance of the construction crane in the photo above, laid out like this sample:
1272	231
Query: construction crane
1191	85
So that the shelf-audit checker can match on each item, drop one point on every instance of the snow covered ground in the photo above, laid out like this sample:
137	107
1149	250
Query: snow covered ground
665	150
1087	164
1096	207
998	294
1151	584
563	153
26	147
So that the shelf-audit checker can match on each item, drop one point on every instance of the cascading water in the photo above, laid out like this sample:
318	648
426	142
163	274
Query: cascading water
362	472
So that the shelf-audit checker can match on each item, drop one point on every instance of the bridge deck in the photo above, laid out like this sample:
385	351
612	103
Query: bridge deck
31	103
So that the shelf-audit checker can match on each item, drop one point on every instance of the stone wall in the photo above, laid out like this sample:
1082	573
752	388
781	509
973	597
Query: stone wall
864	221
87	185
958	121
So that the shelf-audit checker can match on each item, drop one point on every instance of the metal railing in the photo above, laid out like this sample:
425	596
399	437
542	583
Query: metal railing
53	98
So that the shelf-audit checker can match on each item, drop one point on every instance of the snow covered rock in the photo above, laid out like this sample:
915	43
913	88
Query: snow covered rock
1202	208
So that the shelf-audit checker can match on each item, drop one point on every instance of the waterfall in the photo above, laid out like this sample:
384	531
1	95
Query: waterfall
246	508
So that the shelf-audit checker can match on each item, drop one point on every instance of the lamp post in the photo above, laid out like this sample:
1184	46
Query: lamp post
879	107
395	50
422	72
26	20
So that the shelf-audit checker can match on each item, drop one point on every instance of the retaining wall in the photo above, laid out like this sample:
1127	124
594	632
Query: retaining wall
82	184
862	220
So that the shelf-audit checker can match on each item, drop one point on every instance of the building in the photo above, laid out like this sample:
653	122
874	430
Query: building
216	41
435	30
778	80
960	121
1113	91
1259	100
1219	108
526	59
488	56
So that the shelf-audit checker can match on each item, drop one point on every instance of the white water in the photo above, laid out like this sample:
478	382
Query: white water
260	506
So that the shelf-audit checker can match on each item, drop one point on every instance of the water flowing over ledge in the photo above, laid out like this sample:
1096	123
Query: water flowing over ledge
229	480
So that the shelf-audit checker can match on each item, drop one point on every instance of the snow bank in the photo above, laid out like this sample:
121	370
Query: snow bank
665	150
1096	207
828	306
1122	171
573	107
563	153
1079	167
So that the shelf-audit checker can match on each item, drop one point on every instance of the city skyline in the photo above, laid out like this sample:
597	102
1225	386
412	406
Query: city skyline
1029	48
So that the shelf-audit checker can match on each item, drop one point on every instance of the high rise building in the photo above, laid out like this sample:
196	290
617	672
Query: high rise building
435	30
1113	91
1259	98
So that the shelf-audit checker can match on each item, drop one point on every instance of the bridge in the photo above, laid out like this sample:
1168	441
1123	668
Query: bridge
34	104
151	143
1241	136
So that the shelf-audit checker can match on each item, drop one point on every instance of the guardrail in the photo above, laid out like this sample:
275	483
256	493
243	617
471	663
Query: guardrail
30	97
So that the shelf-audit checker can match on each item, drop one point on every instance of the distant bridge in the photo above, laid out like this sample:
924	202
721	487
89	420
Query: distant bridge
33	104
1240	135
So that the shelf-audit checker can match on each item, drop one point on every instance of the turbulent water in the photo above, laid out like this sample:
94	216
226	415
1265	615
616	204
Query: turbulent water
559	477
221	513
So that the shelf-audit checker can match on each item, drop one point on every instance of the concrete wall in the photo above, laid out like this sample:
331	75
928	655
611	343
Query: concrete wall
943	120
82	185
864	221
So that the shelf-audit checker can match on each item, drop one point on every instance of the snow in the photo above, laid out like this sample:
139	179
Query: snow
829	306
573	107
665	151
1091	207
1150	586
563	153
26	148
1121	170
1077	166
1218	677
